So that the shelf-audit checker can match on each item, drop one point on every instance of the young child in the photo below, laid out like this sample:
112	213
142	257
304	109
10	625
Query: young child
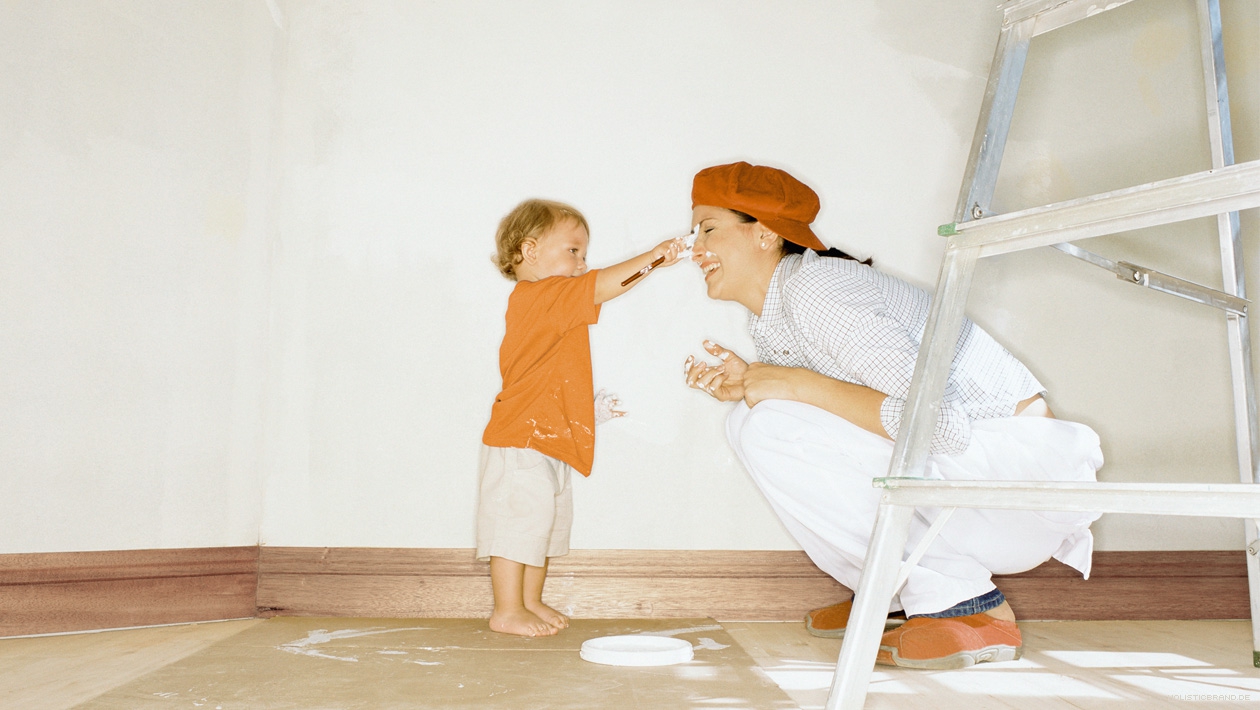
542	424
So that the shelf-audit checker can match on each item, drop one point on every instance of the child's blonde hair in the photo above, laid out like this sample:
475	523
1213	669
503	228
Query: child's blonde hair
529	220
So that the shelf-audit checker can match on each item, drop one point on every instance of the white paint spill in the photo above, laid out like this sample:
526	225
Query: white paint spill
709	644
675	632
305	647
706	644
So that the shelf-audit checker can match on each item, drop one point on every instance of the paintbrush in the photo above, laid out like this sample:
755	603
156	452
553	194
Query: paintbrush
688	242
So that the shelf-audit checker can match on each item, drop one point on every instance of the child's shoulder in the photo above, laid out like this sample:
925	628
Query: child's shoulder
555	284
554	295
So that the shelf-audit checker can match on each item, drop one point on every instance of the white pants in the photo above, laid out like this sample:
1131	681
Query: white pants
815	469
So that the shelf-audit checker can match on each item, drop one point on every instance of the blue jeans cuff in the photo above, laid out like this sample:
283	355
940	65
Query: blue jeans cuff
978	605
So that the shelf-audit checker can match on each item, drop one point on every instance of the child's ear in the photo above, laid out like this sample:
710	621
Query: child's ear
529	251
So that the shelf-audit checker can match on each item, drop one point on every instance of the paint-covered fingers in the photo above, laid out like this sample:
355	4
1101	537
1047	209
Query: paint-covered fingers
713	379
732	364
694	370
673	251
607	406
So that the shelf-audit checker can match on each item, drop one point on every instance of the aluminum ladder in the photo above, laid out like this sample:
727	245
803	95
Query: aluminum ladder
975	233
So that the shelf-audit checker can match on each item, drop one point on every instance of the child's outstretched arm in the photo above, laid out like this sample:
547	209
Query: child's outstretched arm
608	281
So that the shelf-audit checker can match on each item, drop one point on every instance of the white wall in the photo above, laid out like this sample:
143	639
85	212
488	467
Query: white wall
343	362
132	273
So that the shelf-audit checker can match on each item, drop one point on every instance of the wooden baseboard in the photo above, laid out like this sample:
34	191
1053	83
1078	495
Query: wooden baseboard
1131	585
77	591
771	585
725	585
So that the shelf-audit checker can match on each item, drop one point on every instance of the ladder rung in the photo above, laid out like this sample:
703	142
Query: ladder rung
1211	192
1053	14
1213	500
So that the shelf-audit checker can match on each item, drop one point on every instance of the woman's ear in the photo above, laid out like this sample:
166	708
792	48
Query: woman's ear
767	239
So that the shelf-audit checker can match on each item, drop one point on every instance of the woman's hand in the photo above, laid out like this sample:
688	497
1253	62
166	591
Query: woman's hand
725	382
763	381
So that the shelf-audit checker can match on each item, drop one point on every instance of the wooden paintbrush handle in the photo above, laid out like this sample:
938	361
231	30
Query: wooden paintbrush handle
643	272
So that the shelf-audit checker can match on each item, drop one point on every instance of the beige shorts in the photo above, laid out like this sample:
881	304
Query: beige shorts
525	509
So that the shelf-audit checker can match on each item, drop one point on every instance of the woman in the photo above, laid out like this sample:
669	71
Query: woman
837	342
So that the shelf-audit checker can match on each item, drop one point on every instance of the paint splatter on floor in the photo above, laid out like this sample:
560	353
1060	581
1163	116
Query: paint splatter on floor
292	663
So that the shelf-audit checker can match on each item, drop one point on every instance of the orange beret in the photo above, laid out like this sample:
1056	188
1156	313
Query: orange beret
771	196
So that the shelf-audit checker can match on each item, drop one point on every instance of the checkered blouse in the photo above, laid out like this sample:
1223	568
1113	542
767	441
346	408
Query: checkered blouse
850	322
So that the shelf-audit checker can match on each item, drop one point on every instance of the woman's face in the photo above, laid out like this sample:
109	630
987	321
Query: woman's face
733	256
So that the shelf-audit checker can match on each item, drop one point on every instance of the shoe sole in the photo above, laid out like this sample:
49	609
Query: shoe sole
839	633
962	659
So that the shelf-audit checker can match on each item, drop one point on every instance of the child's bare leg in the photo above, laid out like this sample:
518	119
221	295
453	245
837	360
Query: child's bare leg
507	578
534	578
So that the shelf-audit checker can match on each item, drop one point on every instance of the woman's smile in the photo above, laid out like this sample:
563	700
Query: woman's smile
708	264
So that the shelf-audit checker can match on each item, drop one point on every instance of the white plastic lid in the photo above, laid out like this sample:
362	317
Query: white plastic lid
637	650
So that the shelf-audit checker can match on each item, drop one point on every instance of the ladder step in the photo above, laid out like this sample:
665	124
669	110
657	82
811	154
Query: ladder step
1215	500
1211	192
1053	14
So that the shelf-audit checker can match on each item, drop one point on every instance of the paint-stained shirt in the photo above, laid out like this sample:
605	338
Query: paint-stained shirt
548	399
847	321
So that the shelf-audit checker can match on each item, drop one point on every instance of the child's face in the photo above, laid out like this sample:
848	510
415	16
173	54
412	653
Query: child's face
561	251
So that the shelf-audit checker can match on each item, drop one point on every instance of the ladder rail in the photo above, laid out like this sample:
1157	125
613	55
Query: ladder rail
992	127
1247	431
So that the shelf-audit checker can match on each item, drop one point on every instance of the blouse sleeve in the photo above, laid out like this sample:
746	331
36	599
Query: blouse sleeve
874	350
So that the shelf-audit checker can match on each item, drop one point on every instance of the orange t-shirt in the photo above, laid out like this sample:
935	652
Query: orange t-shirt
548	400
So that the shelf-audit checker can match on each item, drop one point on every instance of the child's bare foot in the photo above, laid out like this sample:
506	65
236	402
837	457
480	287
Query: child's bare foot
521	622
549	615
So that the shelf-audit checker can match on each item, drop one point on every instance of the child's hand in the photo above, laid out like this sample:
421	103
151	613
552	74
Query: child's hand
674	250
615	280
606	407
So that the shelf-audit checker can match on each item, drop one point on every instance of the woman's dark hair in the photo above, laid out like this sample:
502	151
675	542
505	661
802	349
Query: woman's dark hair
794	248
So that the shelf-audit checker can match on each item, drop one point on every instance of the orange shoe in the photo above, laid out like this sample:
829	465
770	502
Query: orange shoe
944	644
829	622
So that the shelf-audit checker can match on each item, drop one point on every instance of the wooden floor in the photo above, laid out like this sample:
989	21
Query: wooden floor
1153	664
